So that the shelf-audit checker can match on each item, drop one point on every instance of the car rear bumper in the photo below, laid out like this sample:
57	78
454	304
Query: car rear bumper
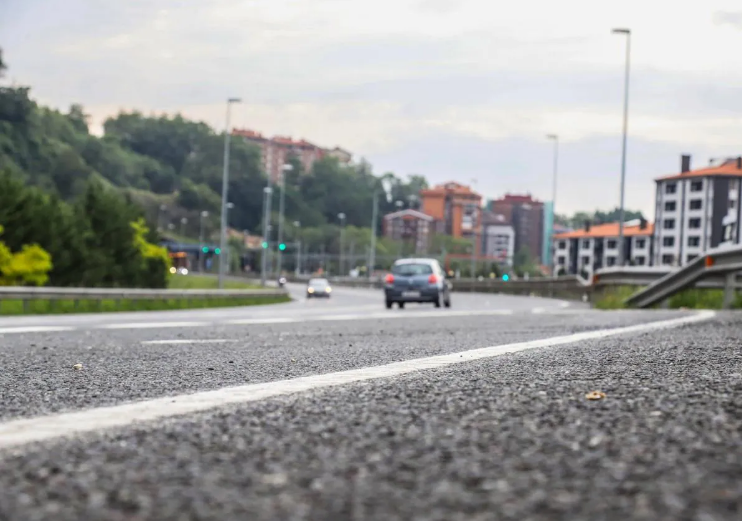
426	295
318	294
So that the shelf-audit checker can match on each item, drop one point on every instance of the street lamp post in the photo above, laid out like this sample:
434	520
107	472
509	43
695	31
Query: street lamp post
183	222
201	256
341	216
627	33
163	209
267	196
225	190
285	168
555	138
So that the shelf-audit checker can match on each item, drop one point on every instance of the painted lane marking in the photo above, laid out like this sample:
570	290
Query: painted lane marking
195	341
141	325
276	320
538	311
20	432
34	329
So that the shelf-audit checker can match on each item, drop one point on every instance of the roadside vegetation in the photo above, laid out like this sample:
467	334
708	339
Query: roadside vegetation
191	281
613	298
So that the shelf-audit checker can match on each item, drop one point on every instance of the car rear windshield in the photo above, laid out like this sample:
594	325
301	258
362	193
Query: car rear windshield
410	270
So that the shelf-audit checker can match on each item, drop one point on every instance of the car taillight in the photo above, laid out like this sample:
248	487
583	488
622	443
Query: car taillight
432	279
389	279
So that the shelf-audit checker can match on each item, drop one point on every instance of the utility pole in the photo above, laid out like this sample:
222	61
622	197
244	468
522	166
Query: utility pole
341	216
201	254
297	225
372	248
225	189
552	259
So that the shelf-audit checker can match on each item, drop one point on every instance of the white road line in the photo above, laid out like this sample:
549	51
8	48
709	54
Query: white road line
195	341
20	432
538	311
275	320
34	329
141	325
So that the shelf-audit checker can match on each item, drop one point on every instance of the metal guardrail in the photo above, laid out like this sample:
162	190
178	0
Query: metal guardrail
29	294
33	293
720	262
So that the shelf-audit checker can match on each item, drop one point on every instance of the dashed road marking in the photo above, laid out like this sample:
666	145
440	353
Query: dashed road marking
194	341
34	329
153	325
24	431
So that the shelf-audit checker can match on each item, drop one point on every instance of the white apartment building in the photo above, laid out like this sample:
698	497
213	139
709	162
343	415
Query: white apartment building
697	210
499	242
596	246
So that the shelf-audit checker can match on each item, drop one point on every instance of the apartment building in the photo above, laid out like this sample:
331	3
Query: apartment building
410	226
526	216
596	246
275	151
498	238
456	207
697	210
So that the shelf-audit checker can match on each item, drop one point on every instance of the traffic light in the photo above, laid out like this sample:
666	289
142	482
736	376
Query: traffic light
217	250
264	245
205	249
505	277
282	246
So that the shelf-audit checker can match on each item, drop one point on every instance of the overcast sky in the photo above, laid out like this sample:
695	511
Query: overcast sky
453	89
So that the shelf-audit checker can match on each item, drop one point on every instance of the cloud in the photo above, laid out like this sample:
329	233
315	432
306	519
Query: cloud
425	83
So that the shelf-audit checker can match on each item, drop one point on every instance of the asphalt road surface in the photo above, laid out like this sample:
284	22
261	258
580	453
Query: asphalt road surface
341	409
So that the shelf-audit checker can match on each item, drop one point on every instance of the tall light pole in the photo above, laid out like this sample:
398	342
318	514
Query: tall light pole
225	189
201	254
626	32
341	216
267	196
163	209
555	138
372	247
183	222
285	168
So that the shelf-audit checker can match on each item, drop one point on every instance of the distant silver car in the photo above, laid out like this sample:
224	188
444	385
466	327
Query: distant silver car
417	280
319	288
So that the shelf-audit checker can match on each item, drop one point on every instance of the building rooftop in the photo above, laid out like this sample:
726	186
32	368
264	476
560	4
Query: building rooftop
606	230
409	212
451	187
727	167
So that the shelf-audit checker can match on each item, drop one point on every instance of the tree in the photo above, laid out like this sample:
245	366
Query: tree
2	64
29	267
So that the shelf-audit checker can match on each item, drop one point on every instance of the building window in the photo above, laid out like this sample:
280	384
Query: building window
668	241
691	257
586	244
694	241
640	261
732	204
561	261
585	261
694	223
670	206
667	259
696	204
696	186
641	243
611	244
670	188
734	185
668	224
562	245
610	261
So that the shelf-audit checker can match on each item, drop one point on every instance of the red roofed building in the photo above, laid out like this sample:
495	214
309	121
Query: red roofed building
595	246
696	210
275	151
456	208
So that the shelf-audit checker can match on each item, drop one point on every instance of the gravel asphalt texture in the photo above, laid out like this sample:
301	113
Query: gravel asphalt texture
511	437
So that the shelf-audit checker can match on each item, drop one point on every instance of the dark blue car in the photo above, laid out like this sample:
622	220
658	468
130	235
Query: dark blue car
417	280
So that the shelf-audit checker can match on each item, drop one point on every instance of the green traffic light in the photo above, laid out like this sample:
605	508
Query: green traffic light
264	245
505	277
217	251
205	249
282	246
